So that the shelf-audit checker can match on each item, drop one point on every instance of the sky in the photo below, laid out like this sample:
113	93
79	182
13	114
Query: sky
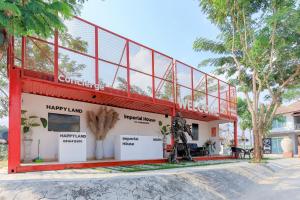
168	26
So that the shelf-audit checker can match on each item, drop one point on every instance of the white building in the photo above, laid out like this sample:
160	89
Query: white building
286	123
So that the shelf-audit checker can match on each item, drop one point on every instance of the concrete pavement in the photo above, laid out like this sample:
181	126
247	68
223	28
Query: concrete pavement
279	179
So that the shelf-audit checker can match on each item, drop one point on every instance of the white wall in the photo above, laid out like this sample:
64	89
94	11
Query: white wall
36	105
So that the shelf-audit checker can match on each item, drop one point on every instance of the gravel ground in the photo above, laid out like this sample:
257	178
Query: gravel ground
278	179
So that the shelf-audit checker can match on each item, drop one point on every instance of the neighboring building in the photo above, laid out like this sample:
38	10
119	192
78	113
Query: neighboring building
287	123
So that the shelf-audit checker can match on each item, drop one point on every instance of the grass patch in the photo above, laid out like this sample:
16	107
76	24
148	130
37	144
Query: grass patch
103	169
161	166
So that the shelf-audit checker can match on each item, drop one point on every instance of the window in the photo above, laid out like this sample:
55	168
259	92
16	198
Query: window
276	145
279	122
195	131
63	123
297	122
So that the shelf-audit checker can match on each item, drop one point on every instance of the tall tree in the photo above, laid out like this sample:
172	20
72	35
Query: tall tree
245	121
259	50
40	18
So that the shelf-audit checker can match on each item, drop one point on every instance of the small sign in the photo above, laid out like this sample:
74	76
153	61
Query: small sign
267	145
213	132
72	147
136	147
139	119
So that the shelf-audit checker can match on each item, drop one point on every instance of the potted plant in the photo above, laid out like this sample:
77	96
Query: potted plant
164	130
27	123
100	123
287	146
210	146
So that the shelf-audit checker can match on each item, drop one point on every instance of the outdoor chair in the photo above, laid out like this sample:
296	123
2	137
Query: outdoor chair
237	152
248	152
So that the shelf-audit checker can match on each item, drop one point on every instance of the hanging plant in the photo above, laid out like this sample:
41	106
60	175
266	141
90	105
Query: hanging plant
164	129
28	122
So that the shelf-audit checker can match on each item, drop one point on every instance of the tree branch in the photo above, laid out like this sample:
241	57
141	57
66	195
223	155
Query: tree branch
289	80
4	92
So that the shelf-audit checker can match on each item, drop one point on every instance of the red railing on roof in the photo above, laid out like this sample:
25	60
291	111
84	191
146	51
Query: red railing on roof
100	58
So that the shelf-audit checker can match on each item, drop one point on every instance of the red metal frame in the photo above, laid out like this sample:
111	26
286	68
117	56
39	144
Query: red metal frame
96	57
153	79
128	68
56	56
14	136
24	80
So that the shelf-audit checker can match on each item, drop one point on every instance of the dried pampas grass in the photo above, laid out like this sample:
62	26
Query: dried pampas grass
101	122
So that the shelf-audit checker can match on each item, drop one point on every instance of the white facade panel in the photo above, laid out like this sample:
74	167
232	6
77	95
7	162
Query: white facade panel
49	140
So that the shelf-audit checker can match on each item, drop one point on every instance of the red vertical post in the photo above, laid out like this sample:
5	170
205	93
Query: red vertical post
173	111
23	52
229	102
192	84
174	86
219	98
235	133
206	88
128	68
56	56
96	57
153	79
14	136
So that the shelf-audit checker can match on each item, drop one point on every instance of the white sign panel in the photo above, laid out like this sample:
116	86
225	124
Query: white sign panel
72	147
135	147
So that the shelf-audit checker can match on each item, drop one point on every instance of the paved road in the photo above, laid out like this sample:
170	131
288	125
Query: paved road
283	184
279	179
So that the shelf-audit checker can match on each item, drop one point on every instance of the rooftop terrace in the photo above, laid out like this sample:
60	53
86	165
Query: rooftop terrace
92	64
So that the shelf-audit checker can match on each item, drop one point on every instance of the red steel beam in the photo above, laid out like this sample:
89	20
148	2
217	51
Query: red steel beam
96	57
192	85
128	68
153	79
14	136
56	56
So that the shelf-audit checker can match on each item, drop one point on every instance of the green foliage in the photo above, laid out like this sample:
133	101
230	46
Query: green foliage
30	122
245	120
292	92
164	129
258	44
258	50
39	18
44	122
36	17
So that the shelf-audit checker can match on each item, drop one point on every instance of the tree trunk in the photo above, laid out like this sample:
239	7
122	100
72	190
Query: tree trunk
261	135
257	148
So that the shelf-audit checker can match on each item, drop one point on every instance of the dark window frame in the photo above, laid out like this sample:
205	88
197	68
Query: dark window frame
64	128
195	131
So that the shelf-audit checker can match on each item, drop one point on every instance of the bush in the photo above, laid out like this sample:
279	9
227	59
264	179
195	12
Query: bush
3	152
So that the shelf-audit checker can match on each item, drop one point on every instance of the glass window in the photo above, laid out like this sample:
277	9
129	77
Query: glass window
195	131
279	122
276	146
63	123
